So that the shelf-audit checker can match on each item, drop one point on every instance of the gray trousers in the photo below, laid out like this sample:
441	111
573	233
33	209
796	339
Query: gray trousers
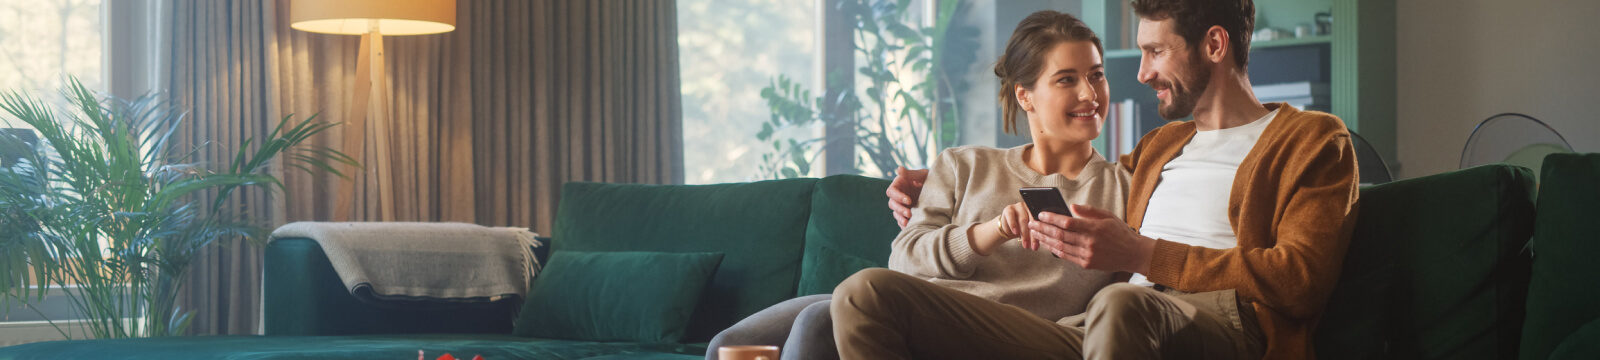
801	327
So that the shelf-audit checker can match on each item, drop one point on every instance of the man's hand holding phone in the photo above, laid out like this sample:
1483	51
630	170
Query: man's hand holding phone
903	193
1035	201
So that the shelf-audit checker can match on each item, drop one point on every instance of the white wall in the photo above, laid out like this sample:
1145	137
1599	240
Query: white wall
1461	61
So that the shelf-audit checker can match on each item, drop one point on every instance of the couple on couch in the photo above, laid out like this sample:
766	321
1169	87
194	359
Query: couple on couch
1236	222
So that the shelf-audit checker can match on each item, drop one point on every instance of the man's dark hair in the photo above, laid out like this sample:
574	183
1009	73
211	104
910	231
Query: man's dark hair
1191	18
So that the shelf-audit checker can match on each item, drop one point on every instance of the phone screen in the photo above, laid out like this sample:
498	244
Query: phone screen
1044	199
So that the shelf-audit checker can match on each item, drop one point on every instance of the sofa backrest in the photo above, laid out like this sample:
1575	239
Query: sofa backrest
760	228
850	229
1564	293
1436	269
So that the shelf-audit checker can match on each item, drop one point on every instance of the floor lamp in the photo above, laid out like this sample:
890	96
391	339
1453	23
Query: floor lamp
372	19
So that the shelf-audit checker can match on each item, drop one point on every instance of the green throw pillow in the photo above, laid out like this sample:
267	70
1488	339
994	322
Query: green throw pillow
616	296
825	268
846	232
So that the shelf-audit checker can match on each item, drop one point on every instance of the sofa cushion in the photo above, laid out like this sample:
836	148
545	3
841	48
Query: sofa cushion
758	226
1435	269
360	347
1564	293
616	296
850	229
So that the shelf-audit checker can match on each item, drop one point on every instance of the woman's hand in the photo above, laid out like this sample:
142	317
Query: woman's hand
1014	225
1011	224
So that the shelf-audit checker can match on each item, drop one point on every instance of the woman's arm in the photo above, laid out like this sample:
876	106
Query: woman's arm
933	244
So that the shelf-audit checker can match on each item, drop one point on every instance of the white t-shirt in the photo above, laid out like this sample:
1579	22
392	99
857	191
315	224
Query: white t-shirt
1190	202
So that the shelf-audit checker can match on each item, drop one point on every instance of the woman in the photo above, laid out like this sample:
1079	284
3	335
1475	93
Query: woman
969	209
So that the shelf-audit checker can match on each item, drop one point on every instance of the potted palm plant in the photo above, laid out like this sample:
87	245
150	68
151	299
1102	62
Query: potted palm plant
110	205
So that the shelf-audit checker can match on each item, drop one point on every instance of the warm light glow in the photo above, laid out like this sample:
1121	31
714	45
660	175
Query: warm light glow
395	17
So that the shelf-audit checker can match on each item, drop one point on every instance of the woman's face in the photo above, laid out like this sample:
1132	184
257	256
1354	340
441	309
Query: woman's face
1067	102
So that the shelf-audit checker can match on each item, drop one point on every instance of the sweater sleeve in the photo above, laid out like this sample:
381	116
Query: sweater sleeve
1307	224
931	245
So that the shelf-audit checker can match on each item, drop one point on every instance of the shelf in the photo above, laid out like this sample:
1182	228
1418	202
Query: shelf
1122	53
1324	39
1357	60
1256	45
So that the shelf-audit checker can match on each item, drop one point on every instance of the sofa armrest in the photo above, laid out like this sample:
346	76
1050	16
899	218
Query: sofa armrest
303	295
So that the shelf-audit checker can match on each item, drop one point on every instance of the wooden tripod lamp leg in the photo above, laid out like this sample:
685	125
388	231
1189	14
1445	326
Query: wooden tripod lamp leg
356	128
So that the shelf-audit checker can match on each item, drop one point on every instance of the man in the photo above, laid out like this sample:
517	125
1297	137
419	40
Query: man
1237	224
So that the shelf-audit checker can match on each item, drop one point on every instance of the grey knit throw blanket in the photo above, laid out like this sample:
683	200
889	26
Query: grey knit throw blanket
416	261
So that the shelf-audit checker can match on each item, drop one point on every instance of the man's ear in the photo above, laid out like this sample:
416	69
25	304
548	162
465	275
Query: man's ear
1216	44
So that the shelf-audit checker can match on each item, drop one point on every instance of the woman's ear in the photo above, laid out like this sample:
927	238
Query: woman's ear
1023	99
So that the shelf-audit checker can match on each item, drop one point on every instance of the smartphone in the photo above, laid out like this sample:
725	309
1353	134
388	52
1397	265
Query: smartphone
1042	199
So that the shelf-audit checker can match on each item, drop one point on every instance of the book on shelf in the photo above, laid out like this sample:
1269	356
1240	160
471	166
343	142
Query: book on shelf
1129	135
1122	129
1130	26
1302	95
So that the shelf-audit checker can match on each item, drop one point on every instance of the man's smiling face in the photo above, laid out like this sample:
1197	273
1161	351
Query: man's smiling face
1172	68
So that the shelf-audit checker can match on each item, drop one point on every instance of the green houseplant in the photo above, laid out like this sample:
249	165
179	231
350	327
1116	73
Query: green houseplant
110	205
907	111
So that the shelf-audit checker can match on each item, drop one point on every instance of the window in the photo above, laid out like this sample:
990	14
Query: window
728	51
44	41
41	43
755	104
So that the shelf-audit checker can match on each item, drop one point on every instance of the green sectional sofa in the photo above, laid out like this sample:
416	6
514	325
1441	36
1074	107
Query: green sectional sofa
1437	269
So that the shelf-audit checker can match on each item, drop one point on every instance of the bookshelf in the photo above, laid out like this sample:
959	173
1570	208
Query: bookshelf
1354	62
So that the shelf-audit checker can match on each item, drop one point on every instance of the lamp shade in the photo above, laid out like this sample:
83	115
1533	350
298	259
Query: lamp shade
395	17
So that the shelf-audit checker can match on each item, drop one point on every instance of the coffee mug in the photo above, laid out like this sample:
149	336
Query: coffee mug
748	352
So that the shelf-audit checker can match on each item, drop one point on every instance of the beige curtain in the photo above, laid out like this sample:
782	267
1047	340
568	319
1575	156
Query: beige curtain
429	167
215	67
489	120
486	122
569	91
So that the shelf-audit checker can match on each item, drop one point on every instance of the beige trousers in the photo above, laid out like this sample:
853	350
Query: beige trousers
883	314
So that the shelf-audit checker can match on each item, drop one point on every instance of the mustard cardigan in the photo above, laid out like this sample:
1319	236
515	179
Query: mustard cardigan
1292	207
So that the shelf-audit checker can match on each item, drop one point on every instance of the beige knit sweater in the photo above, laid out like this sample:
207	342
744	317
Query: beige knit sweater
970	185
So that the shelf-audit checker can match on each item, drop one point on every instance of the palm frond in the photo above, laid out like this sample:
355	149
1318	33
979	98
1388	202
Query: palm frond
114	204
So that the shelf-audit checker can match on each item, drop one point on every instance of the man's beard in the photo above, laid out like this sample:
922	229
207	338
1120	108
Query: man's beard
1184	98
